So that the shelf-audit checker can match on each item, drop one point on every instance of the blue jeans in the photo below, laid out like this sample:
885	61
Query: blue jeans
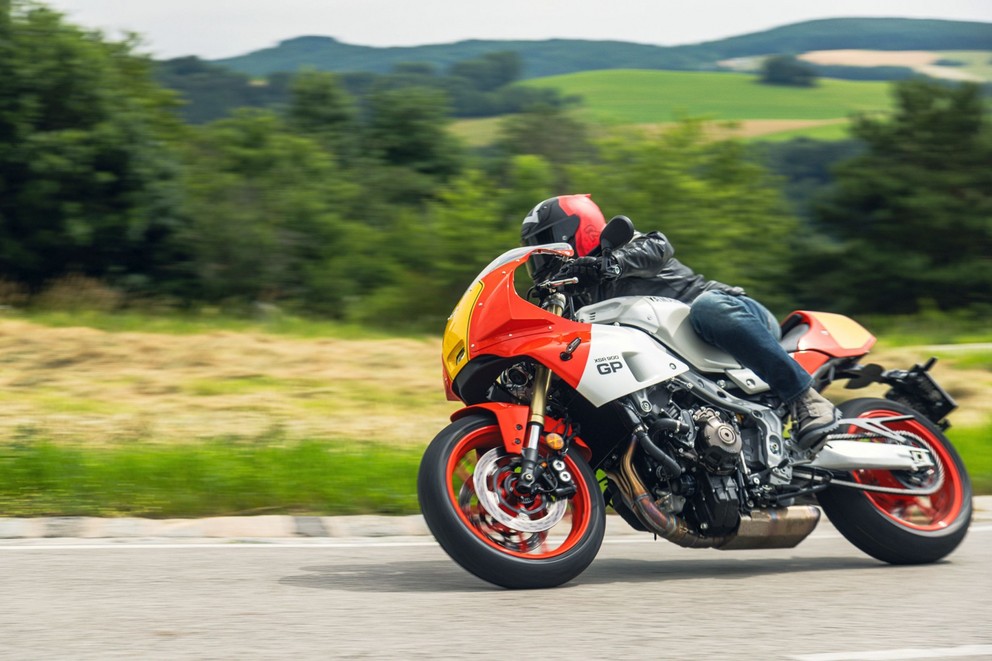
746	330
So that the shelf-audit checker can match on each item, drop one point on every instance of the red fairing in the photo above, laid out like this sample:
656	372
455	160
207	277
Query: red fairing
827	336
512	421
810	360
449	392
503	324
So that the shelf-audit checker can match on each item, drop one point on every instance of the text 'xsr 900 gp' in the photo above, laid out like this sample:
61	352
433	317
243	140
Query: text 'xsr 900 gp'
690	445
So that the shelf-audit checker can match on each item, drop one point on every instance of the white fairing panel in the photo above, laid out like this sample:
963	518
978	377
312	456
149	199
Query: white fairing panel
668	320
622	361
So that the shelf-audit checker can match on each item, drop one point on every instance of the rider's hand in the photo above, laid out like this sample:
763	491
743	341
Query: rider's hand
590	271
586	269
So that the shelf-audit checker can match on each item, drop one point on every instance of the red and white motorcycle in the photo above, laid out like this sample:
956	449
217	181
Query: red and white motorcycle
691	446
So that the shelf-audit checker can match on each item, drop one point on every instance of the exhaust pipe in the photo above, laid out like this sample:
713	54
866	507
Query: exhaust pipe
762	529
780	528
669	526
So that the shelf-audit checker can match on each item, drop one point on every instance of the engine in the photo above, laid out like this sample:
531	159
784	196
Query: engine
714	507
695	473
718	442
708	489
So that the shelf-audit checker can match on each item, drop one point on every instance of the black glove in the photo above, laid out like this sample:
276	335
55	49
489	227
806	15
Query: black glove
589	270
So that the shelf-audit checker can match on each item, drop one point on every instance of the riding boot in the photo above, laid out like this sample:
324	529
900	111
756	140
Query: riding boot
814	418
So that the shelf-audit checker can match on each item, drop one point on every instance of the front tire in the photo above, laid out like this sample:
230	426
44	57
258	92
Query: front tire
895	528
488	547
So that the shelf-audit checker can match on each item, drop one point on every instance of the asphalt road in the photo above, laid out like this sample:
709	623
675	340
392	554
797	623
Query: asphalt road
403	598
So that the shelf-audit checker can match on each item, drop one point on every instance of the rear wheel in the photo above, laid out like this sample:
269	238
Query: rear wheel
467	494
903	528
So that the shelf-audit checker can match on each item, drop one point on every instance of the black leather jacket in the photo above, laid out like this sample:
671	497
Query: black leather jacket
648	268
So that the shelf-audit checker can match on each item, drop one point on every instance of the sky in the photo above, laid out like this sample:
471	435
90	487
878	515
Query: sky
221	28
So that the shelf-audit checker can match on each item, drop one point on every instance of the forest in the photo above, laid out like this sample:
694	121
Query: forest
365	208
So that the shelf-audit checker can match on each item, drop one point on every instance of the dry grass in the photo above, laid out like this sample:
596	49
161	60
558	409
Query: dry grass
871	58
96	387
745	128
921	61
753	128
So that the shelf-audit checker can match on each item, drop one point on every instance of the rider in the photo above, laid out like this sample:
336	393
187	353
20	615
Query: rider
722	315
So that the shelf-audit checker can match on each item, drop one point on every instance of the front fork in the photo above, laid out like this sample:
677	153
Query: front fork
530	466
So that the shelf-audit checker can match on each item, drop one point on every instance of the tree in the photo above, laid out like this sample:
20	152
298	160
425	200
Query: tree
321	108
910	220
210	91
442	249
263	215
88	181
723	213
489	72
529	179
806	167
555	136
408	128
787	70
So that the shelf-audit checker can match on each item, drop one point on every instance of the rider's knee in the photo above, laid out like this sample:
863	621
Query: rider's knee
714	303
711	314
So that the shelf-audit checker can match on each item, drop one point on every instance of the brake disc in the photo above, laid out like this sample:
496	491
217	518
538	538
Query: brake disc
493	477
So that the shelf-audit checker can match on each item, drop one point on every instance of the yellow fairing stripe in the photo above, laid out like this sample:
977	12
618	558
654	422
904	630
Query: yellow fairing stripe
455	346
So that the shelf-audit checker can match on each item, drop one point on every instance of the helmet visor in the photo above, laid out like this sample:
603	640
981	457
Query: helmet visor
562	230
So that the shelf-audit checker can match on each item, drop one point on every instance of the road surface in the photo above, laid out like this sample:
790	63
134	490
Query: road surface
403	598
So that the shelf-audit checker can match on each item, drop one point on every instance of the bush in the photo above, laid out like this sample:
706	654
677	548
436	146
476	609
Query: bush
78	293
12	294
787	70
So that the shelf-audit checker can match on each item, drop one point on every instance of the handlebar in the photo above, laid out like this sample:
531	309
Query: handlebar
558	284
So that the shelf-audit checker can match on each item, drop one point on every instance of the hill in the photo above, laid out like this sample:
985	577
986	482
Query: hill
559	56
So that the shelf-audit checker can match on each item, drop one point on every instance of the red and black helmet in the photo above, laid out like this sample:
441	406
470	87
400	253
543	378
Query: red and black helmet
572	219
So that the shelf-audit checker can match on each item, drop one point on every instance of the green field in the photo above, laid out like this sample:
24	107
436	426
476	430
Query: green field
646	97
621	97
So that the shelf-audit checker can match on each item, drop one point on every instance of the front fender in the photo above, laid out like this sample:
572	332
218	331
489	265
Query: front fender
512	421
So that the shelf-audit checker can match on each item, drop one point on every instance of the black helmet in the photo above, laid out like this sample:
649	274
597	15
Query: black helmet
572	219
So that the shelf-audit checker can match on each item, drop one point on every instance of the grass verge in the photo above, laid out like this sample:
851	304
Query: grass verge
213	478
224	477
974	444
216	416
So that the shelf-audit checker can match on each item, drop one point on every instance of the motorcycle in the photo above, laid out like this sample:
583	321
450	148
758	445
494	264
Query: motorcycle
687	444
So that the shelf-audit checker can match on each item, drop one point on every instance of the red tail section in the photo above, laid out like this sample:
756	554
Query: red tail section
813	338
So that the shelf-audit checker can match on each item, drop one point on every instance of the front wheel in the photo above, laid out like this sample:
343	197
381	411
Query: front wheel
467	495
903	528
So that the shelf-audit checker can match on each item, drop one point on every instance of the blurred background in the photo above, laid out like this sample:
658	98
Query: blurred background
221	260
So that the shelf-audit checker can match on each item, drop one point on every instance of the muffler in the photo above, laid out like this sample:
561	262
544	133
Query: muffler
781	528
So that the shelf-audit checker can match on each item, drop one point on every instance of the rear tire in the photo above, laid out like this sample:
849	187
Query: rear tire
492	550
902	529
